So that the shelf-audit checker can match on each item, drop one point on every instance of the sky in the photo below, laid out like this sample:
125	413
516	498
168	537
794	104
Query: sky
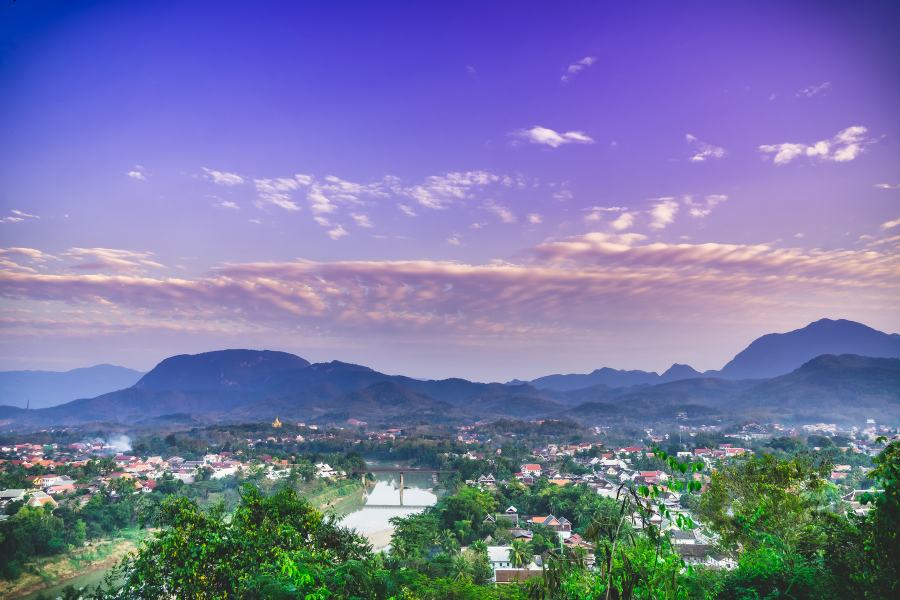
484	190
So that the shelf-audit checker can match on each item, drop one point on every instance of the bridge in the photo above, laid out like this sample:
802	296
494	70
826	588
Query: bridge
398	505
400	471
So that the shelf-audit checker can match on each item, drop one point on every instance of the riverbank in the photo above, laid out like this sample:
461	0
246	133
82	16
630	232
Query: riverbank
382	502
81	567
380	539
340	497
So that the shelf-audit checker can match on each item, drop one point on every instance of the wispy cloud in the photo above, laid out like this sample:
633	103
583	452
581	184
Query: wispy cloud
576	67
549	137
703	151
12	258
563	195
406	209
454	240
138	172
845	146
111	259
277	192
223	177
337	232
702	207
503	213
891	224
439	191
329	196
535	219
596	213
663	212
750	261
226	204
623	221
814	90
361	220
17	216
888	186
29	253
624	273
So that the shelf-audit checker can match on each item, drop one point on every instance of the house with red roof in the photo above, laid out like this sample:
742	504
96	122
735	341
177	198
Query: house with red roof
532	469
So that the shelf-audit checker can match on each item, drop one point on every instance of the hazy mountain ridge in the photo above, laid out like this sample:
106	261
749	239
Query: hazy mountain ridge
767	356
242	385
828	387
780	353
41	389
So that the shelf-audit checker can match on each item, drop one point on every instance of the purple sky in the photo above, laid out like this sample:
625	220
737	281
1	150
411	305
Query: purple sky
482	191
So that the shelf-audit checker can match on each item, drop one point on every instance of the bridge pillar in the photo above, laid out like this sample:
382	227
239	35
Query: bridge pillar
401	488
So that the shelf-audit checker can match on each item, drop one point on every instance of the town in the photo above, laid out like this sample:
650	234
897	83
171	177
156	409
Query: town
93	488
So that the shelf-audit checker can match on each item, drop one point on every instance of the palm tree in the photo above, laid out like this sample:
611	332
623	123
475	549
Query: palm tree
448	542
461	569
520	553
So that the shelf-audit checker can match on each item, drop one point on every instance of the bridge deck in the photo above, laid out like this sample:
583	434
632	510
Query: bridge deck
396	505
399	470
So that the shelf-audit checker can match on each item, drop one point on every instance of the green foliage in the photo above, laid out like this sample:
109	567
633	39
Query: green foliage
772	572
881	529
271	547
755	500
774	513
30	532
520	553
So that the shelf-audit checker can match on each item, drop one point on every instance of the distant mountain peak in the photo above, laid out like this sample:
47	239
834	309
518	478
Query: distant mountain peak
219	369
779	353
679	371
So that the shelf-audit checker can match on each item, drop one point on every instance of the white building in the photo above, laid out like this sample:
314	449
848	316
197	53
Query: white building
499	557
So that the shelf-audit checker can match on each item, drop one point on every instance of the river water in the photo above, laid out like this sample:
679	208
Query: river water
382	503
371	519
88	580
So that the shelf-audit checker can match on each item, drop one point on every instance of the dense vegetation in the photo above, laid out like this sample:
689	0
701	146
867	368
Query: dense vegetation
29	532
775	515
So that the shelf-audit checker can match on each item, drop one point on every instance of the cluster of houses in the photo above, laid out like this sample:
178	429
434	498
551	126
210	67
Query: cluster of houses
34	498
606	474
145	472
521	528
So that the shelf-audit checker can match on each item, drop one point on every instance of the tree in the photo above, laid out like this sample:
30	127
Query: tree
480	563
448	542
30	532
78	534
774	511
520	554
880	572
754	501
271	547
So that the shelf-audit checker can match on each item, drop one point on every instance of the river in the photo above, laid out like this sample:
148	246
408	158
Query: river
88	580
371	519
382	503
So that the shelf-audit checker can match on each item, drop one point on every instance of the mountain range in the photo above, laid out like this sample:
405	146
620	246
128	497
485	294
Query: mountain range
250	385
767	356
